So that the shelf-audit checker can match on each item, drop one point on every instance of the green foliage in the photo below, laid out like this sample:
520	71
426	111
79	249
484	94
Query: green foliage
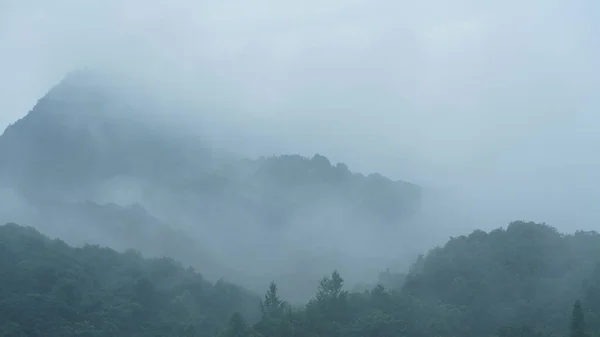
517	282
577	321
272	306
50	289
238	327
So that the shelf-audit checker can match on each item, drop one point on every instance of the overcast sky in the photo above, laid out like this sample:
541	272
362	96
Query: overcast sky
497	97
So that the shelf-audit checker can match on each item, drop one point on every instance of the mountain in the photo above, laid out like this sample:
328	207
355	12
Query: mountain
84	133
95	145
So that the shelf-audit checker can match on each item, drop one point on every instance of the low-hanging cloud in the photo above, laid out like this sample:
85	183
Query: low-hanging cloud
495	101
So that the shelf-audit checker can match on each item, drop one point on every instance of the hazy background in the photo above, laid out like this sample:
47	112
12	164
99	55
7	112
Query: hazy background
493	103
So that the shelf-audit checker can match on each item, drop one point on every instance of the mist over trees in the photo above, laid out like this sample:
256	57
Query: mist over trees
217	229
526	280
51	289
221	168
93	162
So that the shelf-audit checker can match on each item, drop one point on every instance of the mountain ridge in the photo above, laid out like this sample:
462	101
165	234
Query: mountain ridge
89	141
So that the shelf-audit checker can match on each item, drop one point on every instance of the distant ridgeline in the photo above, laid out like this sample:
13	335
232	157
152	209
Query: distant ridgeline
84	133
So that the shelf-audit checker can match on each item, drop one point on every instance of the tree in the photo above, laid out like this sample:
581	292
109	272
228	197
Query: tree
276	315
272	306
237	326
330	287
577	321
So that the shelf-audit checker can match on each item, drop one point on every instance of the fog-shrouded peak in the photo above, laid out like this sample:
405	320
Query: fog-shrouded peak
92	139
353	160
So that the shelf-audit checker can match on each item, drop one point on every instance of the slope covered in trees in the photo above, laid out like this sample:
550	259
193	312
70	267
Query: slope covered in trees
124	227
50	289
527	280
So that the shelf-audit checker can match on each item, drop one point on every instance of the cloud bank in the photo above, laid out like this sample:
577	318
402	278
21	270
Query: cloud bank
494	102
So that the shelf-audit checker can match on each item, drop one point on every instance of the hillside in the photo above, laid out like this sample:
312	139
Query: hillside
527	280
527	274
50	289
93	141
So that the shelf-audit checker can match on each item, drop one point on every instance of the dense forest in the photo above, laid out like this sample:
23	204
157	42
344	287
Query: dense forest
527	280
48	288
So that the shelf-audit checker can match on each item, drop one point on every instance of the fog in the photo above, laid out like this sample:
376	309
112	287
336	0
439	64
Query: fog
492	105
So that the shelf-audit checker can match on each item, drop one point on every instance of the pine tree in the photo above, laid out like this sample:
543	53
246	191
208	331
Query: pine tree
577	321
274	322
272	306
330	287
237	327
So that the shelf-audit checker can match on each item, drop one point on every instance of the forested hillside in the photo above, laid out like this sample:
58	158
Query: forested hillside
527	280
339	168
50	289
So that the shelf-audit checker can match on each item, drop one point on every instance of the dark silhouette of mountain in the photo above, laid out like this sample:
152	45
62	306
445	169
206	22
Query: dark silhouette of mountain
85	132
92	142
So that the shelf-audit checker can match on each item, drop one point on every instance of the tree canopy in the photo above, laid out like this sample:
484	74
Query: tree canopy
527	280
50	289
